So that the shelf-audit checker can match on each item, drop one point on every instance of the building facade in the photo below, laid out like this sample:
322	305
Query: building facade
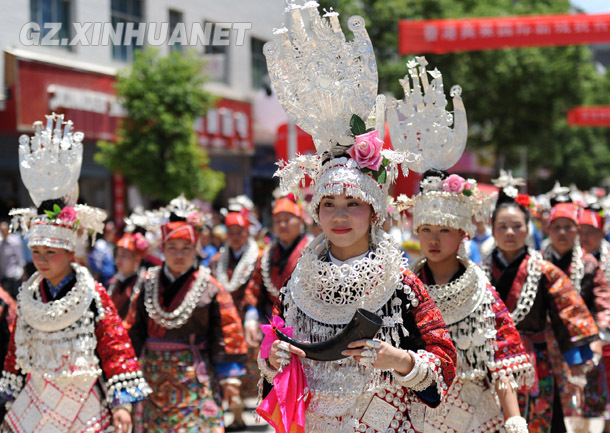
63	56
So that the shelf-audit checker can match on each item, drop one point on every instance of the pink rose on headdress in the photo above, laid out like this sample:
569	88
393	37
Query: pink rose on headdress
367	150
194	218
67	214
453	183
141	242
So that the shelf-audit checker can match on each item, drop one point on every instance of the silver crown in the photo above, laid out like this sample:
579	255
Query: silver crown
320	78
420	124
51	160
181	207
508	184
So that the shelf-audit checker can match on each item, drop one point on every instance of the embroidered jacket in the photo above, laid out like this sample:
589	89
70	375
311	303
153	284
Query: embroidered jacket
246	296
489	350
281	263
213	320
113	351
594	288
411	322
555	304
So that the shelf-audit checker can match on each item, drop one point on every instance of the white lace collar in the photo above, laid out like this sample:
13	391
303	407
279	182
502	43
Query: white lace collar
331	294
58	314
459	298
349	261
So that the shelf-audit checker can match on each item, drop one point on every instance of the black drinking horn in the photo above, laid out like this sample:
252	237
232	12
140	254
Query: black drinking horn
364	325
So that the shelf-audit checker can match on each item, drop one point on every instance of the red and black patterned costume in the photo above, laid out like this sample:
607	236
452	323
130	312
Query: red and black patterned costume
8	314
184	358
489	347
278	263
552	304
55	365
124	297
595	291
343	399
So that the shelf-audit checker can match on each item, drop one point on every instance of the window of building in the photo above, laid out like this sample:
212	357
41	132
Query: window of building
127	12
216	52
52	11
175	17
259	63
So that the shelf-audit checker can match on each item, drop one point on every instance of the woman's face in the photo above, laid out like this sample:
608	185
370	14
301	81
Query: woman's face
179	255
287	226
563	232
439	243
52	263
590	238
126	262
510	229
346	223
237	236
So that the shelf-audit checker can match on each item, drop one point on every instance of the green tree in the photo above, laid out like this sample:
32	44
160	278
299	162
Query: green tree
513	97
157	147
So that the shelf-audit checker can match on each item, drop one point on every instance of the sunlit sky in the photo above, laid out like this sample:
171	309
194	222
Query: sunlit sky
593	6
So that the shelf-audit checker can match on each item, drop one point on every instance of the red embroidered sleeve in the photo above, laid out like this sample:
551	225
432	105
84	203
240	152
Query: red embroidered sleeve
511	360
233	341
601	293
568	308
12	380
10	311
441	354
118	359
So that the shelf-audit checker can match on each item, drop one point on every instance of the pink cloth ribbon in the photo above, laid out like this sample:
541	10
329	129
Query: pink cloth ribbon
284	407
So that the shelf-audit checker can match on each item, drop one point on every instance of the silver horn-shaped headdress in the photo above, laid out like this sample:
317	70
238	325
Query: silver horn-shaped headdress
325	84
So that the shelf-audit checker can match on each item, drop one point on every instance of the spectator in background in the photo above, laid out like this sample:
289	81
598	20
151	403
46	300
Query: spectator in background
11	260
206	248
101	258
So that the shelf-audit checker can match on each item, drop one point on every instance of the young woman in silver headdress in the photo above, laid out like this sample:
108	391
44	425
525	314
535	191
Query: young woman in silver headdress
372	383
70	365
492	364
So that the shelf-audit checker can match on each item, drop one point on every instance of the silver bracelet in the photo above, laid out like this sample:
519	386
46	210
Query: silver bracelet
267	371
419	378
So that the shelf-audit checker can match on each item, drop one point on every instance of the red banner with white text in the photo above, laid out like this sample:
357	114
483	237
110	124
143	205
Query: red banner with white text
474	34
590	116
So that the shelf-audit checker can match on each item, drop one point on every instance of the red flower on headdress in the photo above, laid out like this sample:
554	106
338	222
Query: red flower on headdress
67	214
194	219
141	242
523	200
367	150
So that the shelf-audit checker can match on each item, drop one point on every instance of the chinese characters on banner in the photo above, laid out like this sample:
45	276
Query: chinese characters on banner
589	116
227	127
473	34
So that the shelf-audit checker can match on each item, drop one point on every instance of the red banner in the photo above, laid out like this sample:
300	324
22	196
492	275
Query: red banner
474	34
589	116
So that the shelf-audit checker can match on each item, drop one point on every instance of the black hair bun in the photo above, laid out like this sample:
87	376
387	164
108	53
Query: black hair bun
434	172
561	198
173	218
595	207
49	204
504	198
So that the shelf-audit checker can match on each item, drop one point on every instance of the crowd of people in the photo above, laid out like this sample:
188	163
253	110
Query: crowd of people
499	323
